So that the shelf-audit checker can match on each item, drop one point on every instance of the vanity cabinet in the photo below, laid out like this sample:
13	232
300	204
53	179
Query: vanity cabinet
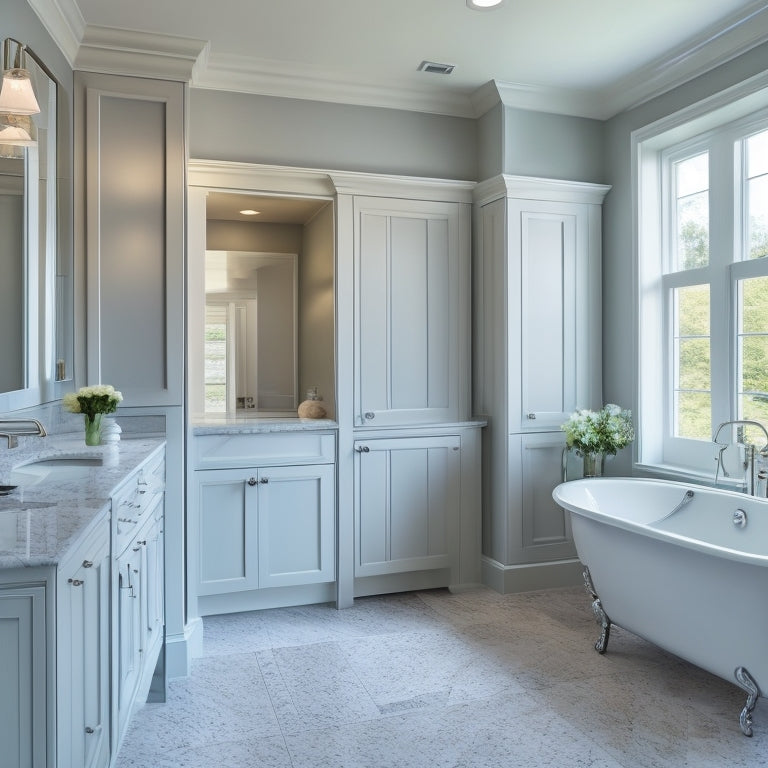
537	342
78	648
137	591
82	649
24	685
269	522
411	320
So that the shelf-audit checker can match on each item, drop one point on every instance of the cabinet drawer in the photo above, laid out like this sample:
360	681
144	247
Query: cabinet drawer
226	451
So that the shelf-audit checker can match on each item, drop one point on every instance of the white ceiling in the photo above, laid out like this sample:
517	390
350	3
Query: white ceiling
588	57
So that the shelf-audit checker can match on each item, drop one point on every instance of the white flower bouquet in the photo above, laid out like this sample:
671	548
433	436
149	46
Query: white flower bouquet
593	432
101	398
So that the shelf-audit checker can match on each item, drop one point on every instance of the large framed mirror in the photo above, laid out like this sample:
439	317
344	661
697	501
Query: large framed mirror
28	231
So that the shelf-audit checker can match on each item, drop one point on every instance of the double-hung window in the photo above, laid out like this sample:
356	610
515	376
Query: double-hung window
702	289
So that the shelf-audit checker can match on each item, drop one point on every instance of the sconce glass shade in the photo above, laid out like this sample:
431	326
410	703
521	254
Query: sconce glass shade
17	130
17	95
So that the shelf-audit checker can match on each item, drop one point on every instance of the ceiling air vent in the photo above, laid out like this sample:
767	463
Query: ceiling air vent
435	68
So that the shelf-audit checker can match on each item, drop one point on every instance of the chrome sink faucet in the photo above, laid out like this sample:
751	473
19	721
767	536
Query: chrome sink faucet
12	428
755	460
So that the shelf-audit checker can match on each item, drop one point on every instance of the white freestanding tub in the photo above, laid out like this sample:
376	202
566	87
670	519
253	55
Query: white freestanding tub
683	566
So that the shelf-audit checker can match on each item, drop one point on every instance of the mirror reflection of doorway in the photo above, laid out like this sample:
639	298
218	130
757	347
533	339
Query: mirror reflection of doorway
250	353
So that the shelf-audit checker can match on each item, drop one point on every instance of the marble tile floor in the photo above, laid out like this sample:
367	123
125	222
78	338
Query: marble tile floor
435	680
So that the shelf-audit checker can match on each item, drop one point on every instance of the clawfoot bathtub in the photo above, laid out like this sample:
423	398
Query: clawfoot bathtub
683	566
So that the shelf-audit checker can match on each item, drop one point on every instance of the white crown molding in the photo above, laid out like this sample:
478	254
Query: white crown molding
533	188
246	74
405	187
64	23
141	54
560	101
737	34
253	177
114	51
315	182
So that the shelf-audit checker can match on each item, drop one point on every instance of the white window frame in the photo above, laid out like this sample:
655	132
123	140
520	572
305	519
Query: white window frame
713	126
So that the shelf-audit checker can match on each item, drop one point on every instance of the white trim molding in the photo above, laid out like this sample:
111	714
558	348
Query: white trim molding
139	54
310	182
143	54
533	188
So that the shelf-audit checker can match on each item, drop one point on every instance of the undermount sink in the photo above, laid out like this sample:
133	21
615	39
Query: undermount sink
60	468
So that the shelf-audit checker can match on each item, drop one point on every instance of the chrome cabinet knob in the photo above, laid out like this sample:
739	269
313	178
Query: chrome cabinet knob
251	481
369	415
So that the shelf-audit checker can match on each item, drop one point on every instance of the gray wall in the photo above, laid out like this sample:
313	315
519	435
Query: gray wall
313	134
243	236
619	350
316	310
553	146
490	143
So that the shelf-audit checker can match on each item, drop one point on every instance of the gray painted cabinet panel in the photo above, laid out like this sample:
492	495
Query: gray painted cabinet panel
133	235
408	314
83	585
23	718
537	348
264	527
407	511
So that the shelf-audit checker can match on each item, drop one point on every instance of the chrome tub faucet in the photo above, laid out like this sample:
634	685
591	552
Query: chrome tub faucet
755	461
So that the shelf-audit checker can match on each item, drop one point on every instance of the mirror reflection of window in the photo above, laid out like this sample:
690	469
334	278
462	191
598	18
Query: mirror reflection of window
250	356
215	358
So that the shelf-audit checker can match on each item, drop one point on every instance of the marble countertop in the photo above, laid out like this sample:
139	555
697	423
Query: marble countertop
39	523
237	424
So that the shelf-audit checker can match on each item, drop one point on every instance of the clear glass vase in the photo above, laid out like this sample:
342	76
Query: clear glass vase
93	429
593	464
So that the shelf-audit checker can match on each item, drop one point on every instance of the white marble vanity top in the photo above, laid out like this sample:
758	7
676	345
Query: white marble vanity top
237	424
40	523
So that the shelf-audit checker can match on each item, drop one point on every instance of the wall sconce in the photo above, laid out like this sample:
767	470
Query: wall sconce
17	102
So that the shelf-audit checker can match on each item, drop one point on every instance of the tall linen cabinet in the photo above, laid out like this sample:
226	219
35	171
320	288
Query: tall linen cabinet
409	453
537	357
130	187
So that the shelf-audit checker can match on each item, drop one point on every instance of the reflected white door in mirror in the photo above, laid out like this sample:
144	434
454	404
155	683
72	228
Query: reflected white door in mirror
250	348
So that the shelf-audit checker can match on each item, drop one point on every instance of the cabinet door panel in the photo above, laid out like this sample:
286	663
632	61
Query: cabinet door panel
83	657
544	531
407	504
132	234
23	677
296	525
549	269
227	531
407	312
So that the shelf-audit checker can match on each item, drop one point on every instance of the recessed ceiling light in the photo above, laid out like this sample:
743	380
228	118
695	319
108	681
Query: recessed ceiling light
483	5
249	212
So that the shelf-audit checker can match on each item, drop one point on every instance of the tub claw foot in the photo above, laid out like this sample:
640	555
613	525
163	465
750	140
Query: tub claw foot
746	681
601	646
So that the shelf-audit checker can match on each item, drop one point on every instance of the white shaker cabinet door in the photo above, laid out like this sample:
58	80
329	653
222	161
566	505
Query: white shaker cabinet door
407	504
409	330
554	283
83	623
296	525
227	530
23	688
